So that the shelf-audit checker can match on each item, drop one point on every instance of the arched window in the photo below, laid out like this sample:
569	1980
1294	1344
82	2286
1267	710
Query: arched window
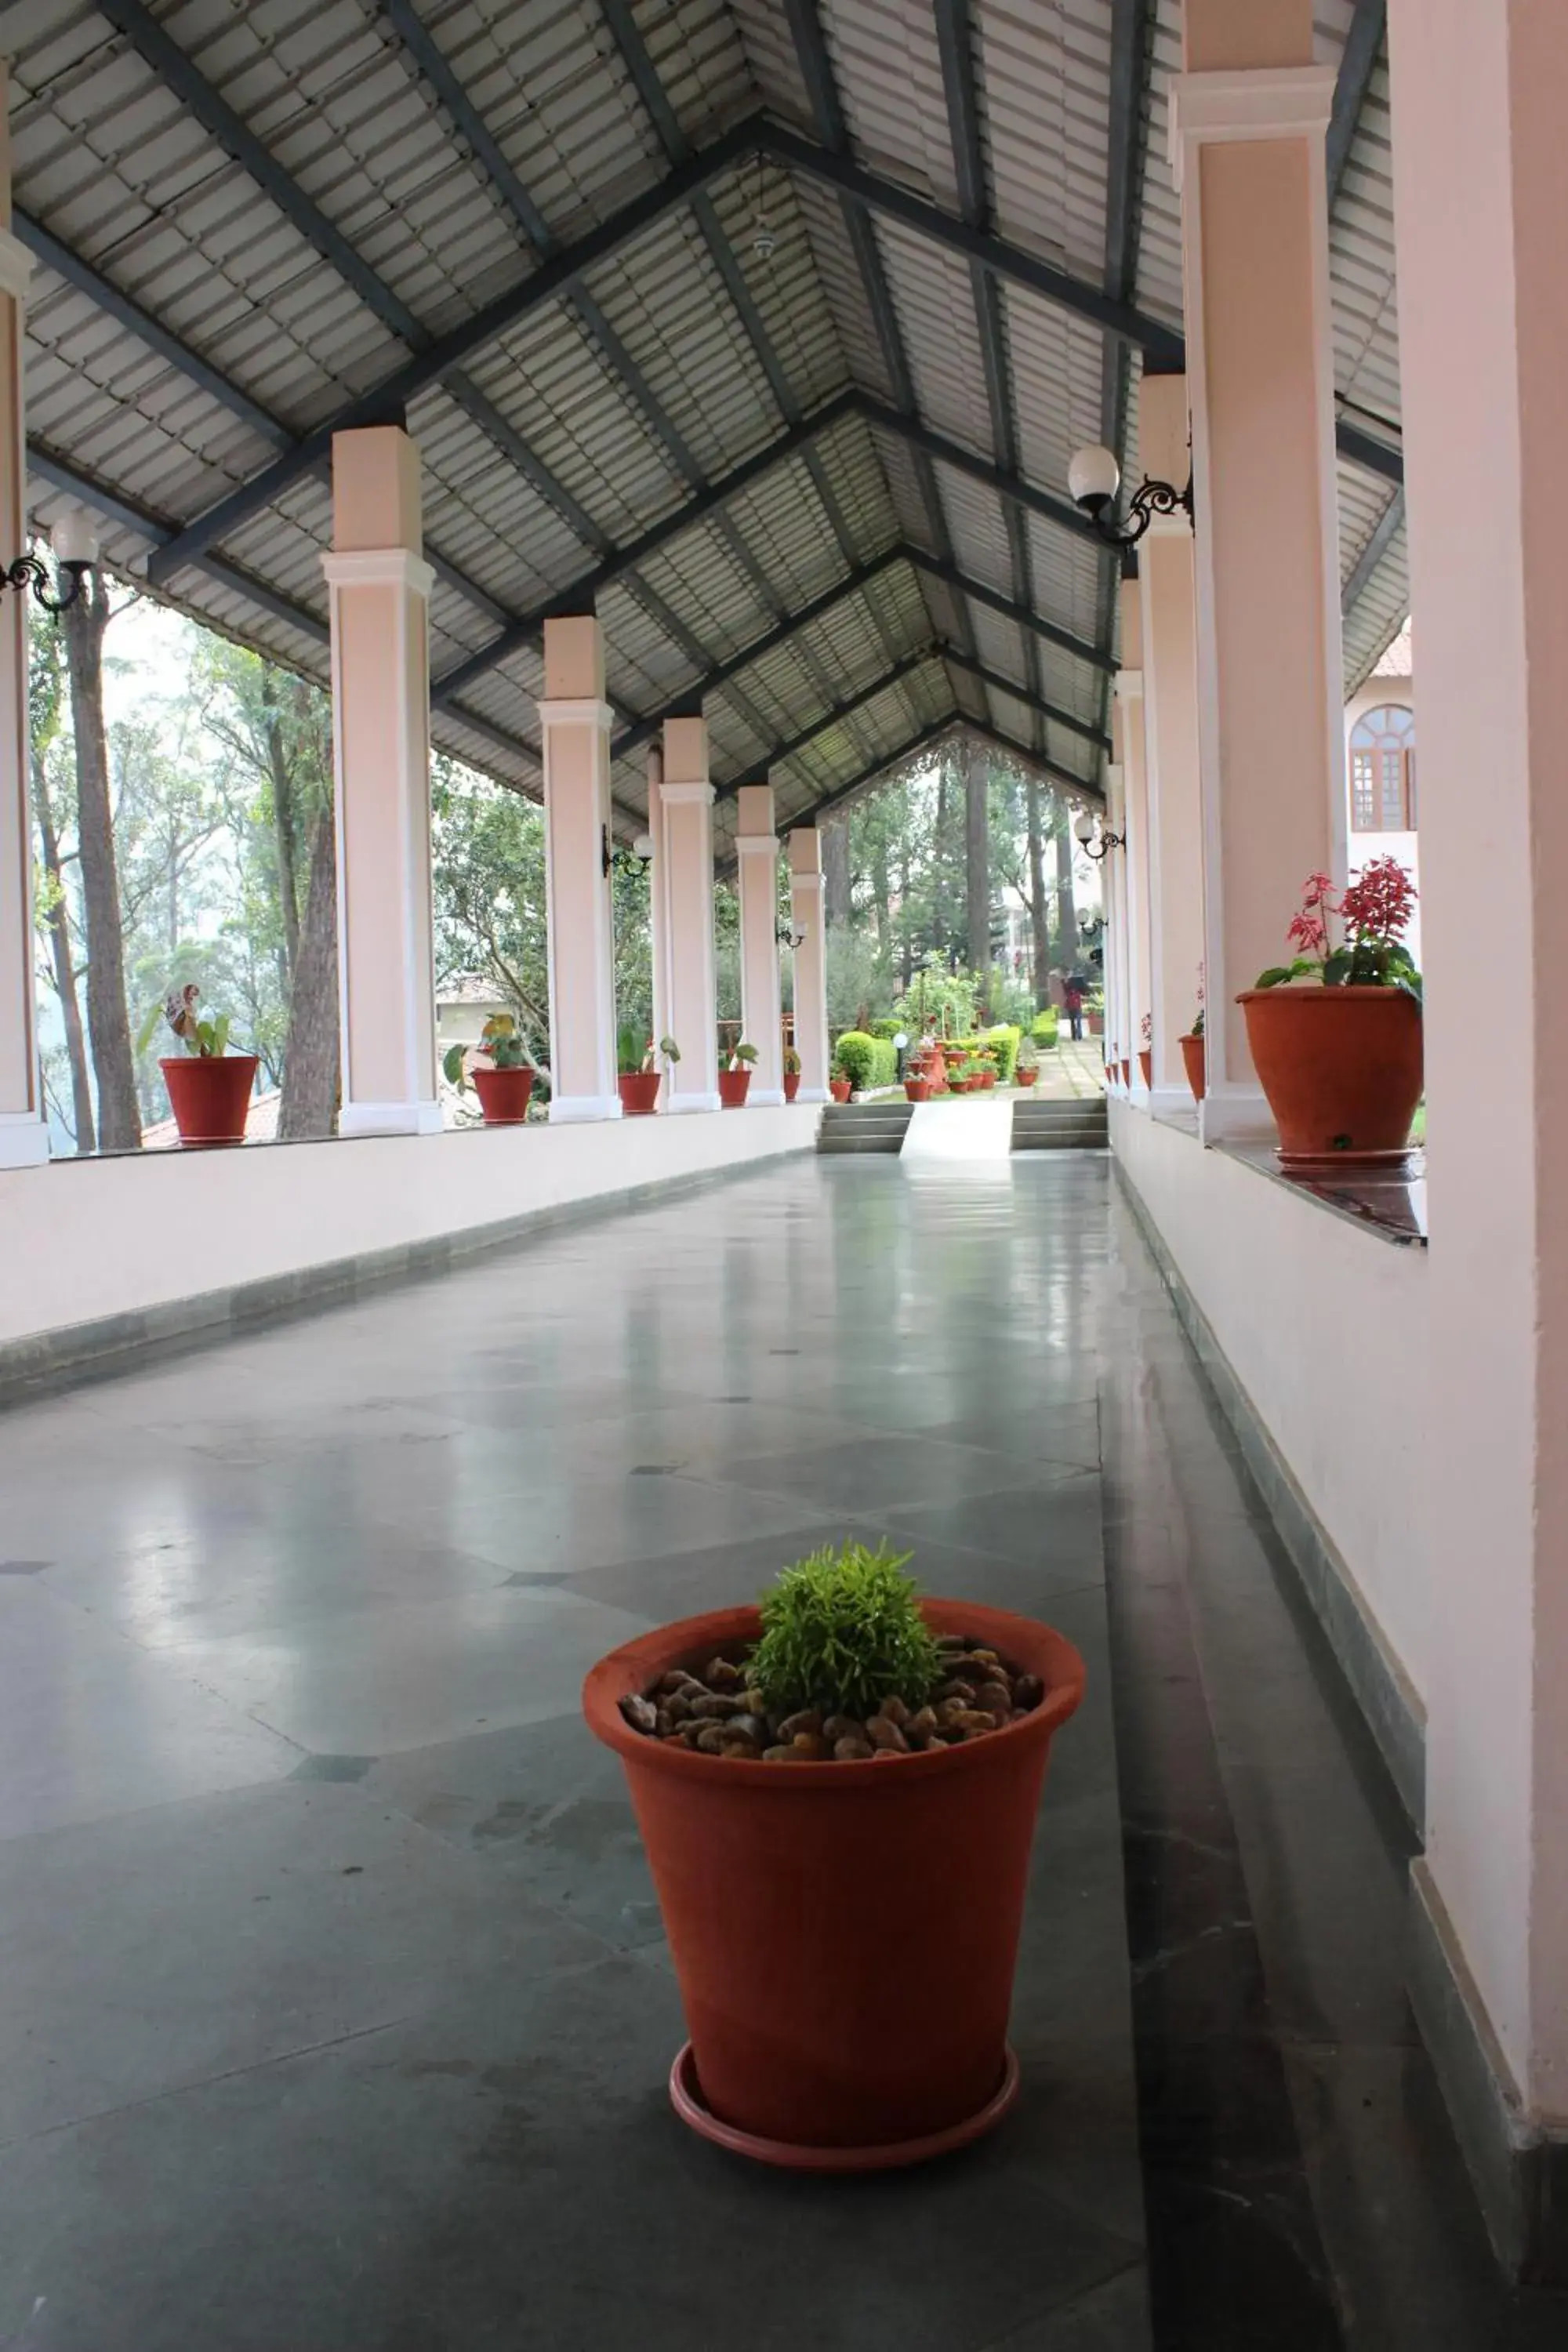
1382	770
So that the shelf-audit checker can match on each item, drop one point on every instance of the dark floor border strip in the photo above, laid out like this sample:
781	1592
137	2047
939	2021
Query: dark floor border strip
1387	1699
1520	2172
77	1353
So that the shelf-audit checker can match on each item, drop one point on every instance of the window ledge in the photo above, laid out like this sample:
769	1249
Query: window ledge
1388	1201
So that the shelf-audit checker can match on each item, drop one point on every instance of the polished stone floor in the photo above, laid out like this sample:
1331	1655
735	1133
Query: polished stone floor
335	2010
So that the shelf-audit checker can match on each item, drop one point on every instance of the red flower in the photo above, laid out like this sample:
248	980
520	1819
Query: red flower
1379	902
1307	933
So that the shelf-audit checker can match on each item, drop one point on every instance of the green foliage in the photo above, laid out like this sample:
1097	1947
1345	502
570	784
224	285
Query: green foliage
208	1040
743	1056
1004	1042
501	1043
631	1049
867	1061
888	1026
842	1630
940	1001
1046	1026
791	1063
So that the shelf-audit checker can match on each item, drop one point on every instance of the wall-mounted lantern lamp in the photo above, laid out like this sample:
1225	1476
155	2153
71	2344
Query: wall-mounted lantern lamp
75	544
639	855
1092	837
1093	479
788	937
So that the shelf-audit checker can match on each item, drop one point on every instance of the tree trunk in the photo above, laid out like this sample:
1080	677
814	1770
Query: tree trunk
283	827
977	867
1040	926
64	970
108	1025
1067	953
835	870
309	1104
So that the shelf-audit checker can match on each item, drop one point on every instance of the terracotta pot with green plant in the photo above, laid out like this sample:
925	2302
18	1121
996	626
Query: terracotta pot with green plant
843	1765
791	1073
501	1071
638	1073
1193	1047
839	1085
1336	1034
1026	1068
209	1088
735	1079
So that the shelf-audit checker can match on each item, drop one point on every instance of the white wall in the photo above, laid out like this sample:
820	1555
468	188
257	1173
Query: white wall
1325	1327
84	1239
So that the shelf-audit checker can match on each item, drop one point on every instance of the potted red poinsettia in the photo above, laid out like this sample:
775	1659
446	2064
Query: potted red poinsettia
209	1088
843	1762
1336	1032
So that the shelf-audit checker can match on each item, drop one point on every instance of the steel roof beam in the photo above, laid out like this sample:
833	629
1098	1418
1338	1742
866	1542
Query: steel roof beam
581	593
756	771
827	113
1043	709
1358	62
955	49
1009	609
549	283
676	148
721	675
1379	539
1166	346
934	733
1007	485
433	65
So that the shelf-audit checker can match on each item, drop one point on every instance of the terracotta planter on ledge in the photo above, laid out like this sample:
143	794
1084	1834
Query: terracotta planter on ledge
1192	1056
815	2043
1024	1077
732	1088
503	1094
1146	1063
791	1084
1341	1068
1126	1069
209	1095
638	1091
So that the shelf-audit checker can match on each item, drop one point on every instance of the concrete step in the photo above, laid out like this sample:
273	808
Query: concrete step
1082	1126
864	1127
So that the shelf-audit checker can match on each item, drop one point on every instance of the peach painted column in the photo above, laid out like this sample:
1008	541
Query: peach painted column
808	921
685	798
574	733
1137	880
1168	604
1248	117
659	910
380	590
762	1012
1113	895
1481	183
23	1132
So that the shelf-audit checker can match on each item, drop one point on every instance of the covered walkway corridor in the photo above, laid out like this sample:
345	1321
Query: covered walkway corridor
335	2003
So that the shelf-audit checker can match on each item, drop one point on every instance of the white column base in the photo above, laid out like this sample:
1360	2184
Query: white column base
1169	1102
390	1118
1237	1115
679	1103
764	1097
812	1095
566	1110
24	1140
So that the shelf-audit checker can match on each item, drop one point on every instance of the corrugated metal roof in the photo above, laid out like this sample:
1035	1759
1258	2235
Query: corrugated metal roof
225	269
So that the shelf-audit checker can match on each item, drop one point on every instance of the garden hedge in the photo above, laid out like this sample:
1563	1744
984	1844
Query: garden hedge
867	1061
1046	1026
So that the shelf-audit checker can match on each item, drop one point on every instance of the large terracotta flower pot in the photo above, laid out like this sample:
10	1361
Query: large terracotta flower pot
839	1089
1125	1067
503	1094
917	1089
844	1935
791	1084
1146	1063
638	1091
1192	1055
733	1087
987	1080
209	1095
1341	1068
1095	1023
1026	1077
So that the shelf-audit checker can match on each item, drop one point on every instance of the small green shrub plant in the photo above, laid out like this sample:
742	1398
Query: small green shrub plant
1046	1026
867	1061
842	1630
